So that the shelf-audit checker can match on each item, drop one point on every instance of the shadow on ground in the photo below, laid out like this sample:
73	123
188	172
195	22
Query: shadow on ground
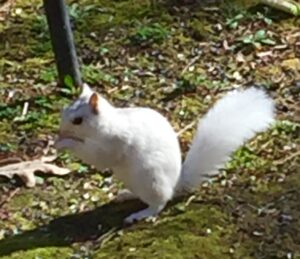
63	231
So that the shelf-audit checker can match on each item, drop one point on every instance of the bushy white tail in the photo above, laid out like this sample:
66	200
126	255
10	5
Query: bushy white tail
234	119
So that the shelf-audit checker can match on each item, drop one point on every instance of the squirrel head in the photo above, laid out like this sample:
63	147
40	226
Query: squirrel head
80	120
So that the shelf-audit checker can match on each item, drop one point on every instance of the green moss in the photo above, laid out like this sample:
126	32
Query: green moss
21	200
49	252
197	232
239	216
201	29
111	13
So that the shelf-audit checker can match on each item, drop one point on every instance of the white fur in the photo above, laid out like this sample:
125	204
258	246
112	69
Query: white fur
138	144
142	149
234	119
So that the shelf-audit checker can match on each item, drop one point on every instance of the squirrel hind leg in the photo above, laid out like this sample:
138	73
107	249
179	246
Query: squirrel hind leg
150	212
124	195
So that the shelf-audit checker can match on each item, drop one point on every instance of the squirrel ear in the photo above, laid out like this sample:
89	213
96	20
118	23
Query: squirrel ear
93	102
86	90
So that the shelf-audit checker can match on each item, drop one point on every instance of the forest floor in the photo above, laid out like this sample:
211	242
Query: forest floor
177	59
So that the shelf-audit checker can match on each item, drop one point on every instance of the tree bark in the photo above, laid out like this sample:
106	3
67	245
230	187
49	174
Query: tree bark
62	41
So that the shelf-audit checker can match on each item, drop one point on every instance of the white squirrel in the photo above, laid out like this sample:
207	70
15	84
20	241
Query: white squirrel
142	148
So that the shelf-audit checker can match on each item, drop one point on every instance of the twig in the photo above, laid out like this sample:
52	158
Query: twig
187	127
109	235
25	109
284	160
112	90
190	199
192	61
9	197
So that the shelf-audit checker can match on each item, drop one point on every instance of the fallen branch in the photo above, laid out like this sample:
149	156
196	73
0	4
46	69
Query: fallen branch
26	170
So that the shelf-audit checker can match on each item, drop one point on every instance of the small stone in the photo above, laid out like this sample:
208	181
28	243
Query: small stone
257	233
132	249
218	27
94	198
72	207
286	148
208	97
294	145
105	189
237	76
240	58
18	11
87	186
93	34
180	56
191	68
205	184
86	196
208	231
43	205
160	57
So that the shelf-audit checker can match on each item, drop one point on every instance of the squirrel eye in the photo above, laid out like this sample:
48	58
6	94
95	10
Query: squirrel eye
77	121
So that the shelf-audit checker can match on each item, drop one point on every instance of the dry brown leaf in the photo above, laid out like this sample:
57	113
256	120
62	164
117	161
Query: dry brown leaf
26	169
5	9
292	64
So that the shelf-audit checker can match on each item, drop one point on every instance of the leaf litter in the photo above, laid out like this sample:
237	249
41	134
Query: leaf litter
178	59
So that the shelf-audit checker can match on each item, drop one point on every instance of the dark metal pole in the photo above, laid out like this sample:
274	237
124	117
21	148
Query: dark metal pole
62	40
